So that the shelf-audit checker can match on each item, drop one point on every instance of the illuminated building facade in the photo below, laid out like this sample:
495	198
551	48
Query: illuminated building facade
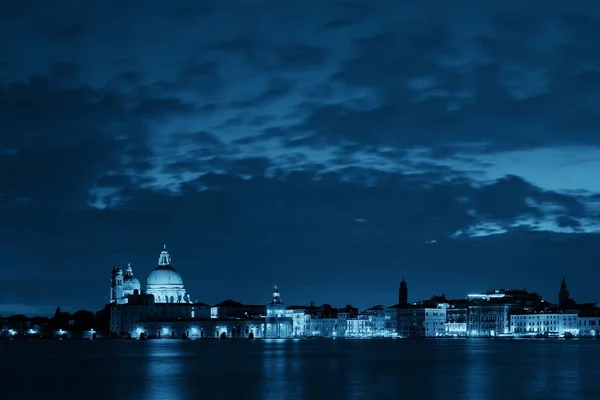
165	283
165	311
418	321
123	285
588	326
488	319
456	317
278	325
543	323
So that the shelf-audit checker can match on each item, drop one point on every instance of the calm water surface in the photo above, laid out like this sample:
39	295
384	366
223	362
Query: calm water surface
309	369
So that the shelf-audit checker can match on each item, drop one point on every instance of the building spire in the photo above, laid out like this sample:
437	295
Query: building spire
129	270
276	295
164	259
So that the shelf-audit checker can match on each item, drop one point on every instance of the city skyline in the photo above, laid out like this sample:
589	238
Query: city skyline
330	148
141	286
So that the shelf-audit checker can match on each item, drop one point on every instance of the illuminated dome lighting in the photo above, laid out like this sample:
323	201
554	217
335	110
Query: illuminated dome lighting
130	282
165	283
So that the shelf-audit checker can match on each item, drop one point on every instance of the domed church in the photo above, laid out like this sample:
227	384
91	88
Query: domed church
164	283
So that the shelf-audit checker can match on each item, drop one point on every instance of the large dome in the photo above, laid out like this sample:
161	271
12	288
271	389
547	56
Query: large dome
164	283
164	276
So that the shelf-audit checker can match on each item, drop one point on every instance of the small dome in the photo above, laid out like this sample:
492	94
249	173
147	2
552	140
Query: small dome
163	276
131	283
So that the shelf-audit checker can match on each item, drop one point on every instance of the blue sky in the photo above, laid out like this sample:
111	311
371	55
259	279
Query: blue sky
329	147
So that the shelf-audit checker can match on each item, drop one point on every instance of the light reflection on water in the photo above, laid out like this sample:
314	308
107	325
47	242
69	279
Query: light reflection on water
476	372
309	369
280	368
164	370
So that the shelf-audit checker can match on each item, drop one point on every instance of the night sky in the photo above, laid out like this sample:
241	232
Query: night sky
328	147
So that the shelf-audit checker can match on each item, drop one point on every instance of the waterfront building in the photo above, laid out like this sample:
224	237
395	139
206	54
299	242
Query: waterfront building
321	321
378	321
357	327
126	318
589	320
278	325
544	323
391	323
165	310
489	319
299	320
489	313
588	326
230	309
456	317
422	320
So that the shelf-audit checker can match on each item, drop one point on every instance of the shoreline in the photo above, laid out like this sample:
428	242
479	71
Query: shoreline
302	338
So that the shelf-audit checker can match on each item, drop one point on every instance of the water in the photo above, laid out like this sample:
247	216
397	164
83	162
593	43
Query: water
303	369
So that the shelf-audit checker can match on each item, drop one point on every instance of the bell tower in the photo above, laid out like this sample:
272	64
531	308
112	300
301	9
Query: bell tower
403	294
116	286
564	297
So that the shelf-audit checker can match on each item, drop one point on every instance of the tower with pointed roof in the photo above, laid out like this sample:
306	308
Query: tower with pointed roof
403	294
116	286
564	297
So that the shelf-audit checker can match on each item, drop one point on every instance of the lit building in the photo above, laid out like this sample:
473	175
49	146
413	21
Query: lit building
140	310
488	319
418	321
277	324
543	323
165	283
165	310
588	325
489	313
299	317
456	318
378	321
123	285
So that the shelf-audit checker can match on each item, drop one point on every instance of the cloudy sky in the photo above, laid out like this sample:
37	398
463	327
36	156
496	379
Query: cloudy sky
329	147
